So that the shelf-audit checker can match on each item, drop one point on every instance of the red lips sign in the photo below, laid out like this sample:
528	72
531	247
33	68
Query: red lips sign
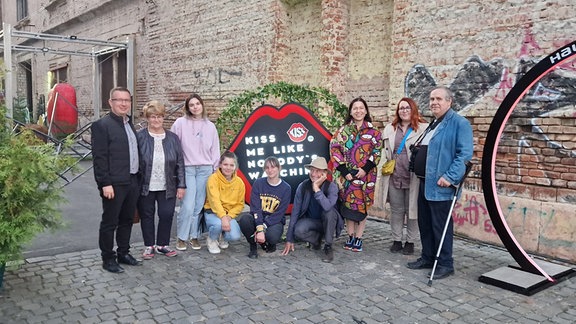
297	132
291	133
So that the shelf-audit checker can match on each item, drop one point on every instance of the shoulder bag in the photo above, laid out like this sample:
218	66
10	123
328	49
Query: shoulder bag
388	167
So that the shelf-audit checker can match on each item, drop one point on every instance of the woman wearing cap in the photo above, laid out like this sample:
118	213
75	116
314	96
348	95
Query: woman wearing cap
224	202
314	215
355	152
401	187
163	180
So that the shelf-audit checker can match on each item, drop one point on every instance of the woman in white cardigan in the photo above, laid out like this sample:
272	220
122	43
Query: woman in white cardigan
401	187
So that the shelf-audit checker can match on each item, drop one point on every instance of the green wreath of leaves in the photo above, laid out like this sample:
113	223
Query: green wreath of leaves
321	102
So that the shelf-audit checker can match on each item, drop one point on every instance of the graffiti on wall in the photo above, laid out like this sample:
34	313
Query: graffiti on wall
553	95
471	211
217	76
472	81
215	81
476	77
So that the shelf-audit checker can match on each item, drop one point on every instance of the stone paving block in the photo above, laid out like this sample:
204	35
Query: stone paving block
146	321
74	317
110	321
80	302
126	319
37	319
177	314
157	311
561	320
59	321
143	315
504	318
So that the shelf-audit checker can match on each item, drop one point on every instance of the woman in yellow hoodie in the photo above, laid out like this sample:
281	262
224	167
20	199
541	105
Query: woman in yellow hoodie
224	202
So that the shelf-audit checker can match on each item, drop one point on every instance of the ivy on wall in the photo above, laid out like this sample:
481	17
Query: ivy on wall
321	102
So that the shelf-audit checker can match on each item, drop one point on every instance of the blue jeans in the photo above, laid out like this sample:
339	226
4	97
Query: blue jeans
193	202
214	224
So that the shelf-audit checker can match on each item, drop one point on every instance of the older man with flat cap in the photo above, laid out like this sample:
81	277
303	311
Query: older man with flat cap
314	214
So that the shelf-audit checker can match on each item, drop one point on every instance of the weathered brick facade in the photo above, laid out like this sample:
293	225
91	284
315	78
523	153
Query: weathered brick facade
381	50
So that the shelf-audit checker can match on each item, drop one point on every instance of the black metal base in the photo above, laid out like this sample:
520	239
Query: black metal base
515	279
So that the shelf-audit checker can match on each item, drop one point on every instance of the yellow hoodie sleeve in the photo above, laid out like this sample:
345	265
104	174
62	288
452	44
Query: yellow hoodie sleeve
237	208
213	200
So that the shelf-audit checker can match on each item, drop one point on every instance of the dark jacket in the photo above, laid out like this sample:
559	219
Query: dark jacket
327	198
110	151
173	162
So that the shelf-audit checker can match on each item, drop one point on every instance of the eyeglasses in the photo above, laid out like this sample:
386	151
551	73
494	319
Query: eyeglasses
121	100
156	117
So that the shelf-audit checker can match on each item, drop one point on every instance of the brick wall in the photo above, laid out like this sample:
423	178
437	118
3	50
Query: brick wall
369	57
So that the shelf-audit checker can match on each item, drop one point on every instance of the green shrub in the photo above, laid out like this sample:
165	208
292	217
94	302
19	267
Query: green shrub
29	188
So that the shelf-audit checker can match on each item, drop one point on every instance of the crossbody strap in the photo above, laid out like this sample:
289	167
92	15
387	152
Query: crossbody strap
401	147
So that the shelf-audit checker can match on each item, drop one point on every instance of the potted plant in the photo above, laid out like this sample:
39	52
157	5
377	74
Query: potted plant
29	189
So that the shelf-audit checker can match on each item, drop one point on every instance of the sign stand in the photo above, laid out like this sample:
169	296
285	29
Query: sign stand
515	279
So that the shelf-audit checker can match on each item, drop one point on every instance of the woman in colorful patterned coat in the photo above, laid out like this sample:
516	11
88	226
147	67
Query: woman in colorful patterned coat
355	153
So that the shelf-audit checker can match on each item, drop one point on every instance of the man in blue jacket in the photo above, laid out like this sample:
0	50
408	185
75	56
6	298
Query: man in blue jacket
115	160
314	215
440	163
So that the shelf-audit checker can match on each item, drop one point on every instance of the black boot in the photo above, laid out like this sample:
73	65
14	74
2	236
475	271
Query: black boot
408	248
328	254
316	245
270	248
396	247
253	251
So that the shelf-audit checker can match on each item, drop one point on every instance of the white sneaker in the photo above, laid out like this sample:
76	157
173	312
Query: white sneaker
222	243
212	245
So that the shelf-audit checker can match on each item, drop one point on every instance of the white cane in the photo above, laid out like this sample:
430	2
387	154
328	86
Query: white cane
456	192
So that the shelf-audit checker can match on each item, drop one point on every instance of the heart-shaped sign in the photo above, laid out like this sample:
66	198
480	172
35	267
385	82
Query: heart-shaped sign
291	133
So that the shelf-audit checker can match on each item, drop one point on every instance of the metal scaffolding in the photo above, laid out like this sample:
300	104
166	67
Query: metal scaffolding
99	47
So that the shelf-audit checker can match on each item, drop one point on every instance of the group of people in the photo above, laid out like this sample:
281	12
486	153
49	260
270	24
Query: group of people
150	169
146	172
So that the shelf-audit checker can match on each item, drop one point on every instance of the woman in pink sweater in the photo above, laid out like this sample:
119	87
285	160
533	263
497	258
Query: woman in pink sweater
201	148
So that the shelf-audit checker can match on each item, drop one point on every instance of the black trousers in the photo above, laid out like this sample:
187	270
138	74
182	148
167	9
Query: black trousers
147	210
117	218
248	227
432	216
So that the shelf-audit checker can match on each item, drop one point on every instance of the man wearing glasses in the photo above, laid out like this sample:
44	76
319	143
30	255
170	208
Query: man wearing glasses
115	160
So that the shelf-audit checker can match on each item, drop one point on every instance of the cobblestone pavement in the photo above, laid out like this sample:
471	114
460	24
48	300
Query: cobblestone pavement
373	286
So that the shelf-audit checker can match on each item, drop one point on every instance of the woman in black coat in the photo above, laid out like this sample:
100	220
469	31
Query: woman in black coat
163	180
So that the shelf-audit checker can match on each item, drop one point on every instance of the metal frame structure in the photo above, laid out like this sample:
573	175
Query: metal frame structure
99	47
